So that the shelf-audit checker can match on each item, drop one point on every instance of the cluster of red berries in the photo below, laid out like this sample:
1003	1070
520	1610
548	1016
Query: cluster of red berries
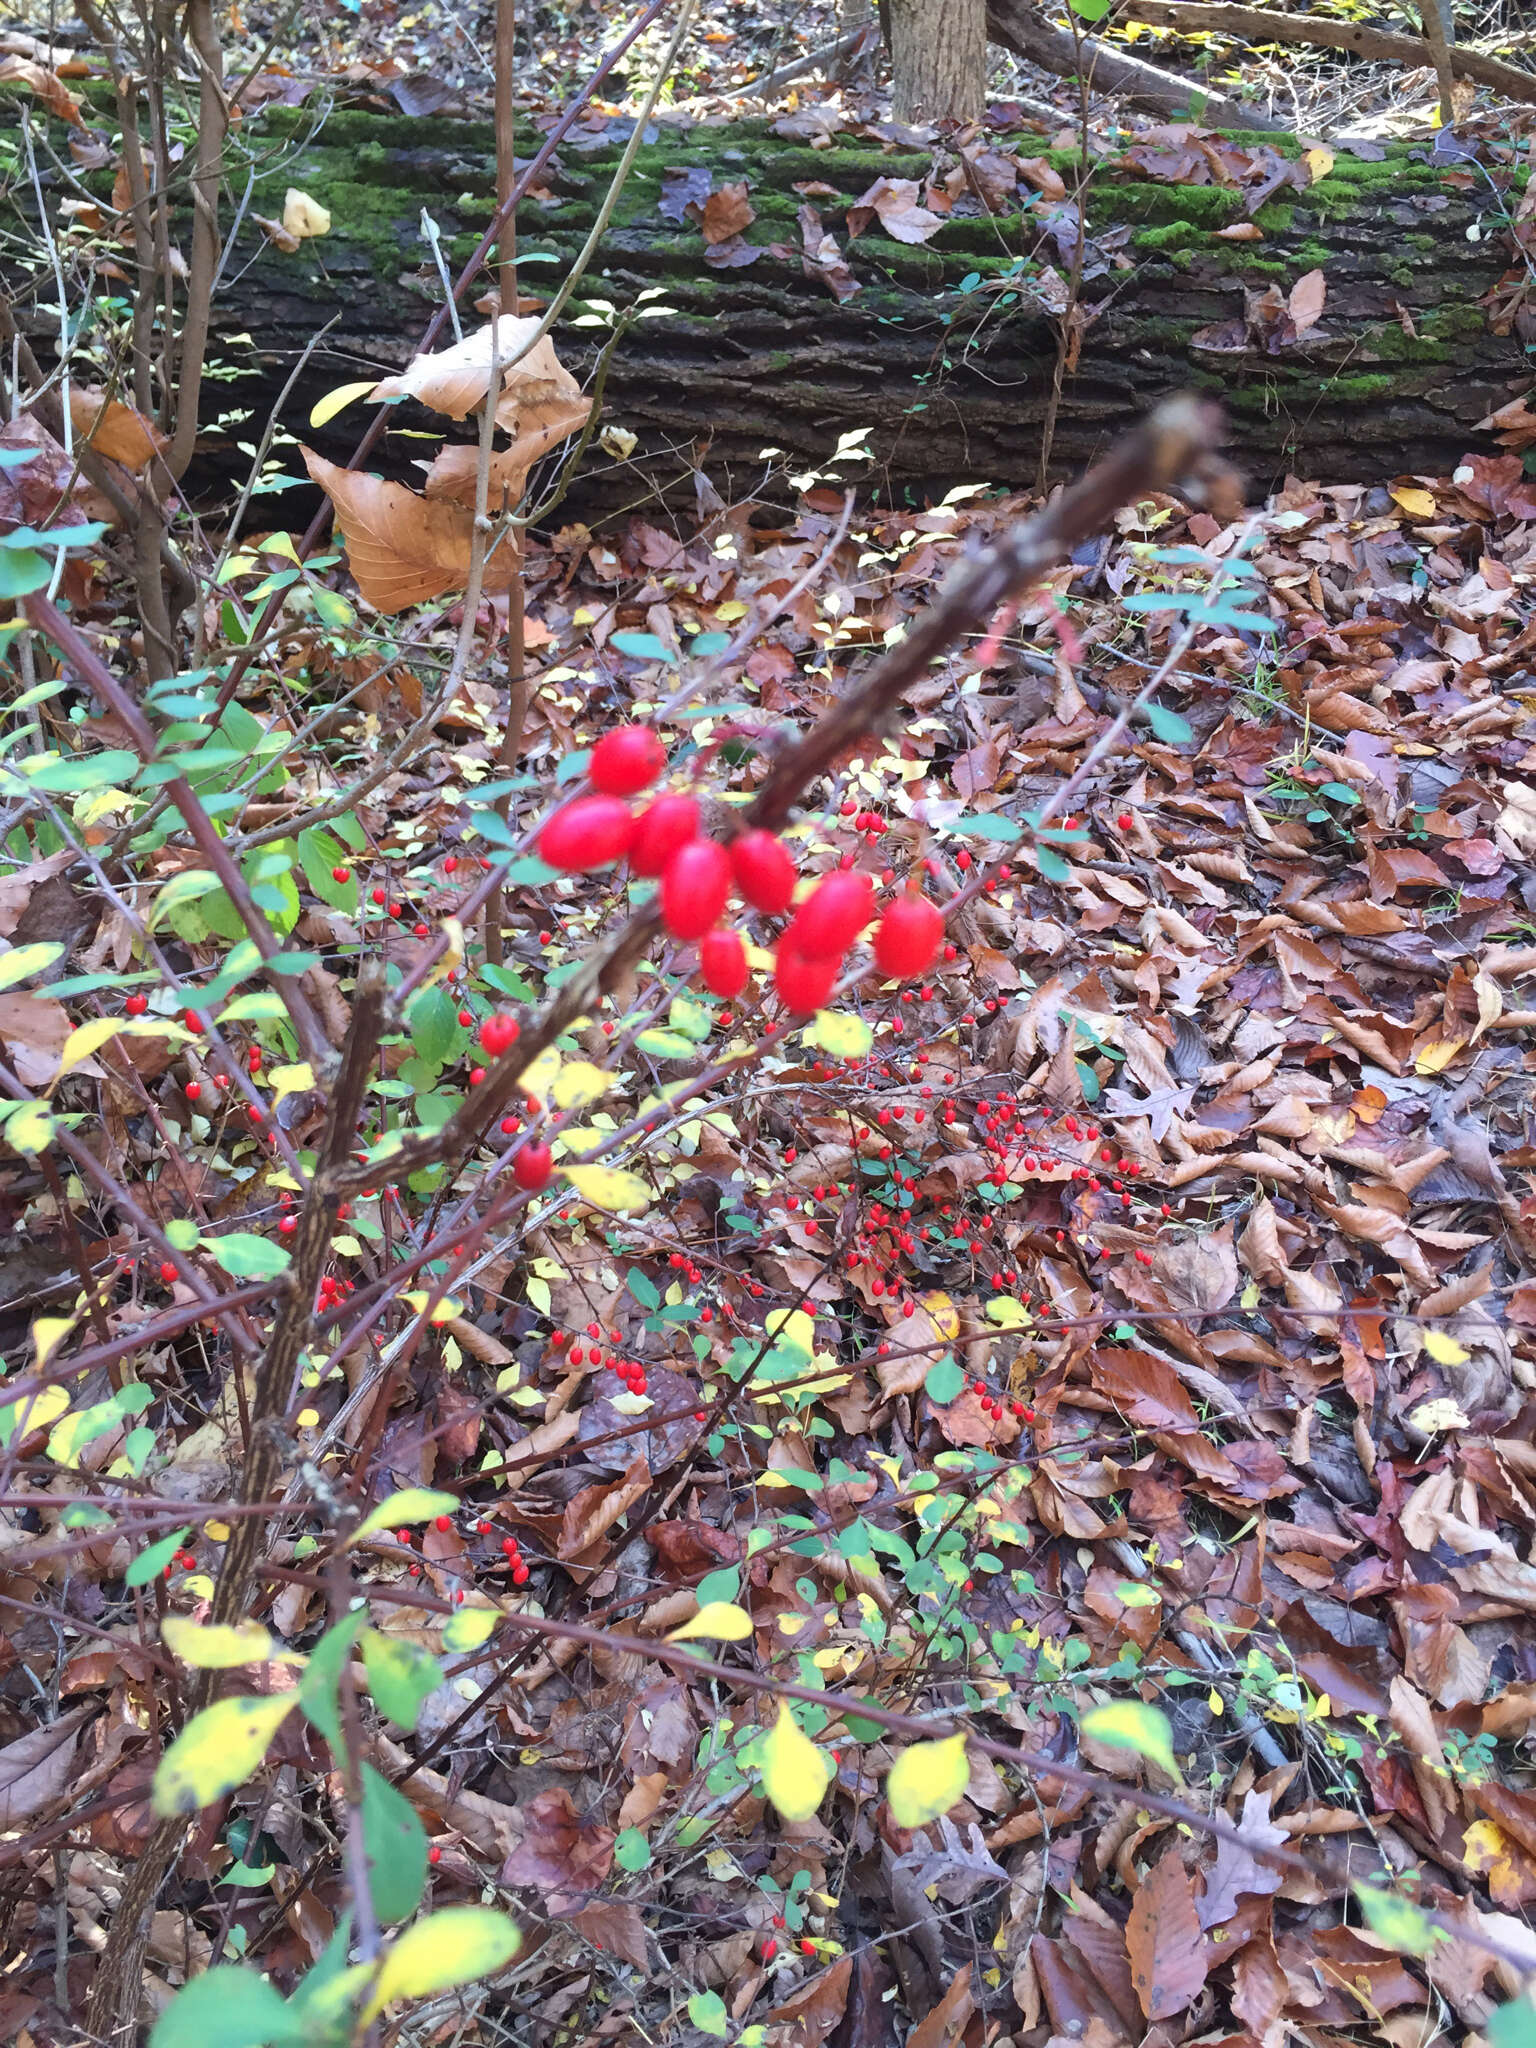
993	1406
514	1556
182	1560
332	1291
697	875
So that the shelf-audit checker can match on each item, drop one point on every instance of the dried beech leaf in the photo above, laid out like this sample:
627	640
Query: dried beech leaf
402	549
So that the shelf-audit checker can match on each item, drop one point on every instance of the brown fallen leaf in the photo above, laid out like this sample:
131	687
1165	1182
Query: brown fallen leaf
48	86
405	550
1164	1941
724	213
38	1766
113	428
562	1855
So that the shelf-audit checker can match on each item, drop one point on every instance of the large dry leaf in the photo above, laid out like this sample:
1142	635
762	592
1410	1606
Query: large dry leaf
113	428
535	388
402	549
895	202
49	87
1164	1941
560	1855
452	475
38	1766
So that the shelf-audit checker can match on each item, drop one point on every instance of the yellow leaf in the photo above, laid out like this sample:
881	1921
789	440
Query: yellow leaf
451	1947
579	1083
1441	1414
216	1647
90	1036
1131	1724
47	1333
795	1773
1444	1350
608	1187
1435	1057
846	1038
326	409
1216	1703
1007	1313
942	1313
412	1504
926	1780
720	1620
538	1077
303	216
218	1750
793	1328
297	1080
1319	163
1418	504
39	1410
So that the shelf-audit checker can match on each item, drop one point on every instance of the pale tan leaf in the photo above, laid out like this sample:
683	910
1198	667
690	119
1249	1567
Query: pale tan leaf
304	217
1305	304
48	86
535	388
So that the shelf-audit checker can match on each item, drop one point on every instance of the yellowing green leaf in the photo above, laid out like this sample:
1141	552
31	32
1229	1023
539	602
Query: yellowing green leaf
1441	1414
218	1750
1397	1922
412	1504
1444	1350
35	1411
451	1947
795	1773
846	1038
578	1083
1131	1724
216	1646
90	1036
793	1329
470	1627
47	1333
1008	1314
609	1187
297	1080
720	1620
29	1130
926	1780
21	961
325	409
1418	504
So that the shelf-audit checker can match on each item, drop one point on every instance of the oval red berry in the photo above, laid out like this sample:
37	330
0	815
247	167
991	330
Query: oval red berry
833	915
723	962
764	872
694	885
533	1166
592	832
626	760
909	936
664	826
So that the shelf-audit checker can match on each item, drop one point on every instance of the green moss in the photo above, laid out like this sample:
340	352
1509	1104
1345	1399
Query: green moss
1209	206
1170	235
1357	389
1274	218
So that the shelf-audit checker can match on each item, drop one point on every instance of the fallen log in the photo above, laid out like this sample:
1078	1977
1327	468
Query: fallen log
943	352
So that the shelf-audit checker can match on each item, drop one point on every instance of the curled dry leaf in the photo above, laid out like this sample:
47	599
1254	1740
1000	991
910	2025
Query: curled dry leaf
536	389
38	1766
895	203
113	428
402	549
304	217
48	86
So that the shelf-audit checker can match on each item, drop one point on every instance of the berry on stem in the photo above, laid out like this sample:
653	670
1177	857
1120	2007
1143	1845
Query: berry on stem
592	832
764	872
662	827
626	760
908	938
723	962
694	885
533	1166
833	915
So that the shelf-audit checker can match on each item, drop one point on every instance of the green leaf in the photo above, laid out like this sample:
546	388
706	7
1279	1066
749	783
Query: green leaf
1397	1921
642	647
926	1780
320	1687
150	1563
666	1045
245	1256
631	1851
690	1018
795	1773
709	643
944	1380
22	571
707	2011
1131	1724
394	1847
72	774
227	2007
446	1949
218	1750
1051	865
643	1289
24	961
1513	2025
433	1022
401	1674
1168	725
399	1510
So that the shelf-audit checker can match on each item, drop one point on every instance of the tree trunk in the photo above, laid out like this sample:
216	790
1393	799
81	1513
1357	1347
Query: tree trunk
939	58
945	352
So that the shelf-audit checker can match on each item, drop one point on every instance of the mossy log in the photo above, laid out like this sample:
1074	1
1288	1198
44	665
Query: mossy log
946	353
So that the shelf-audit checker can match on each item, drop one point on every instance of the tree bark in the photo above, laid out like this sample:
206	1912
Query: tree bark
946	350
939	59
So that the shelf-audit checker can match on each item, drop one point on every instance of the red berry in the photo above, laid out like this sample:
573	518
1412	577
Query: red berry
443	1523
592	832
381	896
770	1949
287	1225
807	1946
341	874
192	1020
723	962
476	1076
694	885
193	1090
833	915
626	760
136	1005
434	1854
909	936
764	872
533	1166
498	1033
466	1018
805	982
519	1575
1125	821
167	1271
451	865
664	826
